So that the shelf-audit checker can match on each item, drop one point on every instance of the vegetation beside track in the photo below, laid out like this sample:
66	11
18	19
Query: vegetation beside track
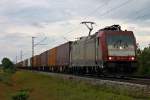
7	69
144	61
45	87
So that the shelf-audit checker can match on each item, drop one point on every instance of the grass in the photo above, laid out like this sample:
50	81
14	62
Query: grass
44	87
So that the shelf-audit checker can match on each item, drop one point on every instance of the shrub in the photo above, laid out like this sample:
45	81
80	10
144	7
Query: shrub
144	61
21	95
8	66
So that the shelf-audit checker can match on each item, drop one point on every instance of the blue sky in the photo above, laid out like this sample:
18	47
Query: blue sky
59	21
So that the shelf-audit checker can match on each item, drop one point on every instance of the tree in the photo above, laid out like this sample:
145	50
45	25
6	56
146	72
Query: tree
8	65
138	50
144	61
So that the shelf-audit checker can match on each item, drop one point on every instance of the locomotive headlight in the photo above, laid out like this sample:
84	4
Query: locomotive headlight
132	58
110	58
120	48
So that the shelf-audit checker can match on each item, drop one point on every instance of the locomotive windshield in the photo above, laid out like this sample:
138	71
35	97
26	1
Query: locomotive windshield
120	40
120	45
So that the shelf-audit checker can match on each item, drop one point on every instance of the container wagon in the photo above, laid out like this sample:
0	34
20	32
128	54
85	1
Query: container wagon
52	55
63	56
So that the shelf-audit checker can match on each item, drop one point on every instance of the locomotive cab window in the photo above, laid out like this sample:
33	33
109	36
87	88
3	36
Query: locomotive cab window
120	40
120	45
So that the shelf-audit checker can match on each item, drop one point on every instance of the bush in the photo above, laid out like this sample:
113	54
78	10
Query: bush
6	78
7	72
21	95
144	61
8	66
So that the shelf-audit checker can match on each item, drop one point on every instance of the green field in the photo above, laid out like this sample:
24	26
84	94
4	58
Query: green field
44	87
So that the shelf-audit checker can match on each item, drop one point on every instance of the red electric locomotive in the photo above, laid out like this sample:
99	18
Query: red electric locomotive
108	50
118	49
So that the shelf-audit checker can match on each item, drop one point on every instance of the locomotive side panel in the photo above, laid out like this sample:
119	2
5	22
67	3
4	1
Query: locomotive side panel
83	52
77	53
90	54
99	59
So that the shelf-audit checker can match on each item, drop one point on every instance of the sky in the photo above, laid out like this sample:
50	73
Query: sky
57	21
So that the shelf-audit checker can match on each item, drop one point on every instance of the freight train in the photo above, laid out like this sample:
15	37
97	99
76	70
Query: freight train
109	50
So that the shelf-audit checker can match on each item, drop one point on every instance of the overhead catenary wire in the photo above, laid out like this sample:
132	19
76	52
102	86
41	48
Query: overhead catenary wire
137	17
92	12
103	14
39	43
110	10
115	8
97	8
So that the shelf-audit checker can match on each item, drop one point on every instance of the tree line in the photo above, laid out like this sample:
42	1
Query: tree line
143	61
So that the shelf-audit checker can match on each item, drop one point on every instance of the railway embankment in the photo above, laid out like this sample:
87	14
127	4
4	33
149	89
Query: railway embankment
116	86
52	86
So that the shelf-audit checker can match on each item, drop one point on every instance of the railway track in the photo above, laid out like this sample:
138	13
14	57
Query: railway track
136	80
127	79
